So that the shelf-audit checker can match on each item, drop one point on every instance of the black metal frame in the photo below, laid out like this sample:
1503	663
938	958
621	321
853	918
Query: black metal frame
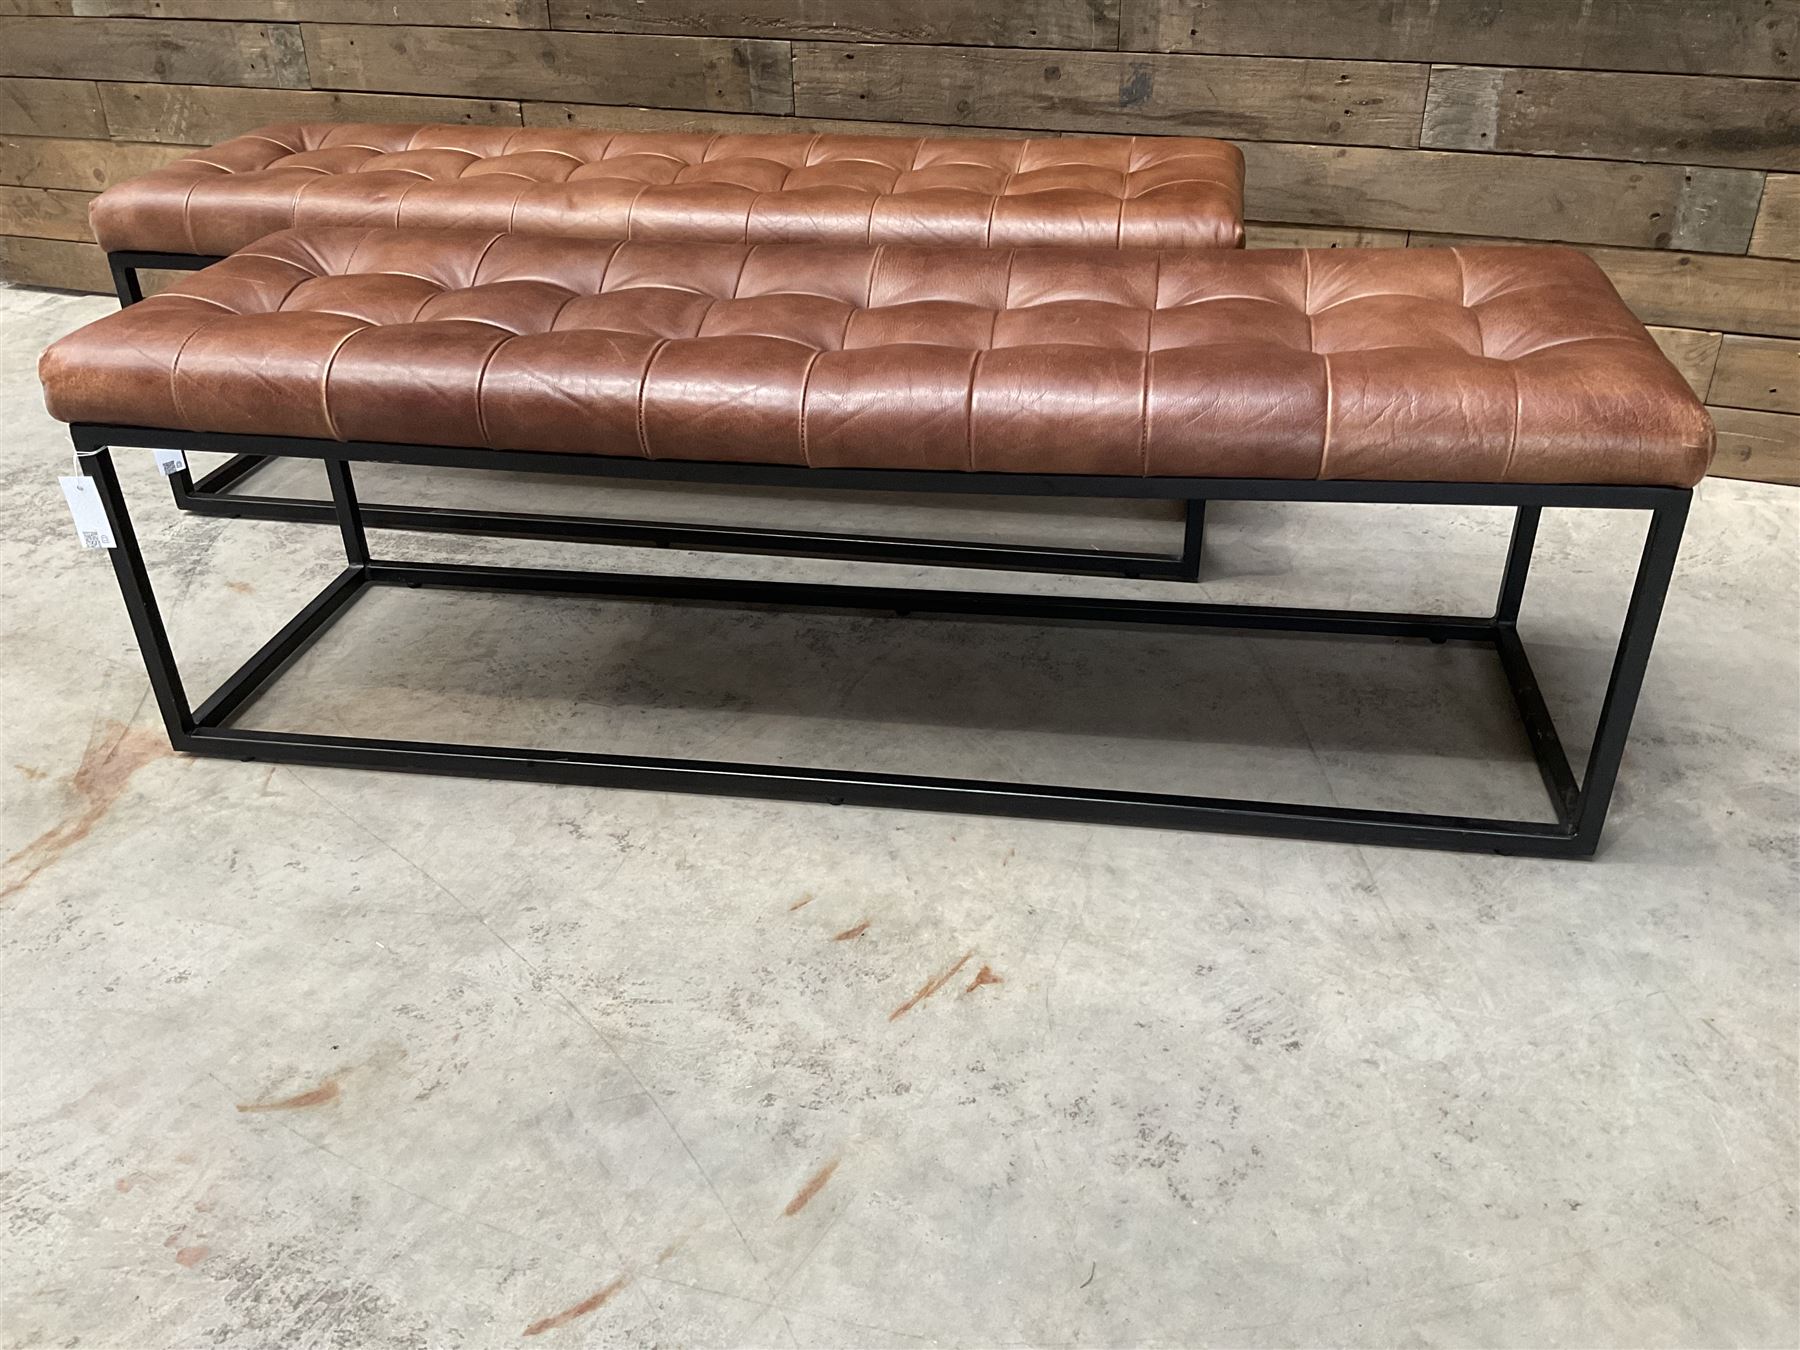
1580	807
212	495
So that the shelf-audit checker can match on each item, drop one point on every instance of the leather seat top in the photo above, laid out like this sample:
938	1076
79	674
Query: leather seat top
1514	365
1113	191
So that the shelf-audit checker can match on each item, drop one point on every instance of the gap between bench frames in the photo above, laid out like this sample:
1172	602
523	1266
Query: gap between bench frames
213	495
1580	805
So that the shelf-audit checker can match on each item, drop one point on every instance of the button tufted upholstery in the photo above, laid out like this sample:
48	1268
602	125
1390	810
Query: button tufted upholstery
1488	364
1112	191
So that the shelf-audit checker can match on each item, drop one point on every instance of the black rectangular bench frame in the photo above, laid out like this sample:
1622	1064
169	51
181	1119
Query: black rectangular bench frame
1580	806
213	495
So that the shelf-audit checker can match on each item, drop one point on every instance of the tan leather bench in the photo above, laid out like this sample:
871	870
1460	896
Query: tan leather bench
1493	365
1110	191
1486	376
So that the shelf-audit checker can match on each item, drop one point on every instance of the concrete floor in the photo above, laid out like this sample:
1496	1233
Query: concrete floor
339	1059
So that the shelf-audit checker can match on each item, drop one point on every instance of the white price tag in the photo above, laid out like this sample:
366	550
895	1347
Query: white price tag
171	462
88	513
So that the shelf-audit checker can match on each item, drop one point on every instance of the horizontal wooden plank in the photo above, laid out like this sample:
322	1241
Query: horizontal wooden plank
443	13
1676	119
1043	23
1755	372
602	117
723	74
88	166
50	108
53	262
13	7
1777	232
1691	352
1261	235
1764	446
1690	290
1522	196
1680	36
45	213
1357	103
188	114
179	52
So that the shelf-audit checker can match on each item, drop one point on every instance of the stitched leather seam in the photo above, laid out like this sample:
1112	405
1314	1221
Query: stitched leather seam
1330	410
969	411
325	381
481	424
805	385
1512	441
631	207
643	390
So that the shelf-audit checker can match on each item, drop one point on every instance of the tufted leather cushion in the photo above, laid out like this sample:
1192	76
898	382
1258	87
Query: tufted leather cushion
1489	364
1113	191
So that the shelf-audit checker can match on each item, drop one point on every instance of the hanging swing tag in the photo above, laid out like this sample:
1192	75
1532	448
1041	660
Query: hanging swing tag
171	462
87	511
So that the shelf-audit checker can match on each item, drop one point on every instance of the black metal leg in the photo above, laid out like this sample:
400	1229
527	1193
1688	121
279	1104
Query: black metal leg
349	514
1580	812
1662	542
125	280
1518	564
140	600
1193	538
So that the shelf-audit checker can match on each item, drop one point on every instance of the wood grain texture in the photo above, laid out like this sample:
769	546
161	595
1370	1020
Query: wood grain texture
1675	119
45	213
1351	102
443	13
1691	352
1761	37
187	114
57	263
1777	232
1523	197
1090	24
605	118
87	166
1261	235
723	74
261	54
50	108
1761	373
1764	446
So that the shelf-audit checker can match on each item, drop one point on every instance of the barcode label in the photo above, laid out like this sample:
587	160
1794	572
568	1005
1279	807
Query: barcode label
171	462
87	511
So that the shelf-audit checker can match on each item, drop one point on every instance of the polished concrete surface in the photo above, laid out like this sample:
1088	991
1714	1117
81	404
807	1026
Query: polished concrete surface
326	1058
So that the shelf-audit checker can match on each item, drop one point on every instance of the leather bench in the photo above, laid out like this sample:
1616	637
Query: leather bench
1110	191
1511	376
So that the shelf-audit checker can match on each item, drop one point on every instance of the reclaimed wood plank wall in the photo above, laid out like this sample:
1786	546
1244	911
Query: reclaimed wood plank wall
1663	136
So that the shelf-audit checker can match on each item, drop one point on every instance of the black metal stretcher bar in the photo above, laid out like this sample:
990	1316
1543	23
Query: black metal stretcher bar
212	495
1579	806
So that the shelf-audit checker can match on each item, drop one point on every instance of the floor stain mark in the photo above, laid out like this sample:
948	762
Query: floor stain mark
815	1184
241	587
327	1091
931	987
855	931
99	781
984	976
32	772
592	1303
190	1256
801	903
